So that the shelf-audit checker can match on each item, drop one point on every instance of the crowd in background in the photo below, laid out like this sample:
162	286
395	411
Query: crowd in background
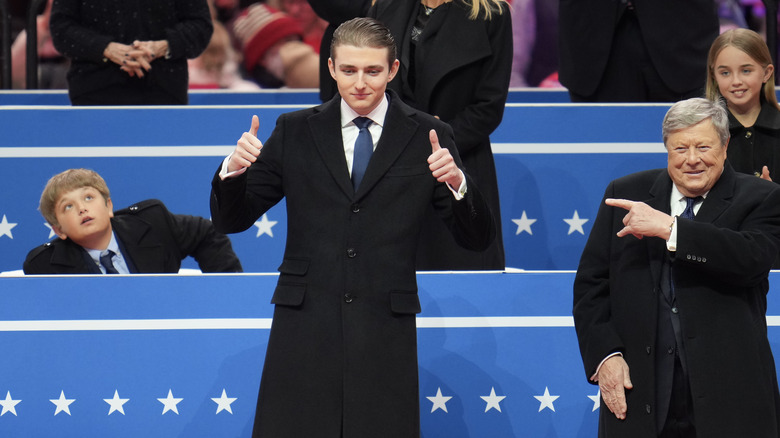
268	44
276	43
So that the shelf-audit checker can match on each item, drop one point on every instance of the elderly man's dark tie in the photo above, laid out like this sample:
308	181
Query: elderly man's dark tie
364	147
105	260
689	203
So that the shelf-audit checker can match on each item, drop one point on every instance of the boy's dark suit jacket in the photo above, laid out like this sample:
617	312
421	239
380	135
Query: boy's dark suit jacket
152	238
342	353
720	267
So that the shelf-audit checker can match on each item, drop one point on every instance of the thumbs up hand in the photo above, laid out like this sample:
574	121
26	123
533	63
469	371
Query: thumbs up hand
247	149
442	164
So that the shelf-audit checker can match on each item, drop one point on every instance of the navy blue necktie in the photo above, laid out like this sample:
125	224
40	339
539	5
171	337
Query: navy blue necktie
364	147
689	203
105	260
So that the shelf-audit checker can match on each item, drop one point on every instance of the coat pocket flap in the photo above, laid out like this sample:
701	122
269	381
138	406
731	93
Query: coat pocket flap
405	302
294	266
289	294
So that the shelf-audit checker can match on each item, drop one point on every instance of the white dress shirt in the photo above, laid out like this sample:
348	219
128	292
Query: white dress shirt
678	204
117	259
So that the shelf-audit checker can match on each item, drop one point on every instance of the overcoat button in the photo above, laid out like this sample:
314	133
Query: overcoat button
675	310
351	252
348	298
648	409
648	349
355	208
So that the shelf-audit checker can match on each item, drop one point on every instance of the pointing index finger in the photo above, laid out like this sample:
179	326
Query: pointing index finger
622	203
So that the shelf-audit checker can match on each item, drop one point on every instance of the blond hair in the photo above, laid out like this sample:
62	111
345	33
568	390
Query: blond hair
67	181
477	6
488	6
752	45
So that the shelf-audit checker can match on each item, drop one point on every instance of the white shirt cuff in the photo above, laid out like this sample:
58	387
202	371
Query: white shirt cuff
671	244
595	376
461	192
223	172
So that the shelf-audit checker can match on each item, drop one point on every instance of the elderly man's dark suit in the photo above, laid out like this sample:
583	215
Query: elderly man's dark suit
342	354
720	273
152	240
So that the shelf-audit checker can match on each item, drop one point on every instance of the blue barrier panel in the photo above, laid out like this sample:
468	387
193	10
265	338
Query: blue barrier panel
140	337
553	163
261	97
163	356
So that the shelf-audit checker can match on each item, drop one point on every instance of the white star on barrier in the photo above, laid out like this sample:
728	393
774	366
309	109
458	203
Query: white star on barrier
575	223
524	224
596	400
264	226
9	404
546	400
51	230
492	400
5	228
439	401
169	403
62	403
116	403
223	403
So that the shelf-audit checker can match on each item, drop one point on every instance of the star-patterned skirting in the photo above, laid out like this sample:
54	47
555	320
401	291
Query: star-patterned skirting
167	356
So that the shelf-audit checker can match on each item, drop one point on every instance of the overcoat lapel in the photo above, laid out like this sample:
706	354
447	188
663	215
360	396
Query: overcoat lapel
660	199
719	198
325	128
144	256
400	128
73	257
448	31
326	131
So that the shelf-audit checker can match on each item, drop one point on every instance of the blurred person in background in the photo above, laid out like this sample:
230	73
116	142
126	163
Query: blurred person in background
300	10
129	53
274	53
218	66
635	50
52	66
